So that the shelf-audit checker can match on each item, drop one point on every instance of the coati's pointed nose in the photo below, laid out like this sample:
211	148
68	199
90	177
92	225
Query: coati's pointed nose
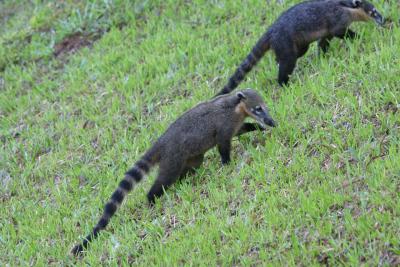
379	20
270	122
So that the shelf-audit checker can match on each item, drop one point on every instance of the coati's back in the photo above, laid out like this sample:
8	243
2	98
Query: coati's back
194	132
309	21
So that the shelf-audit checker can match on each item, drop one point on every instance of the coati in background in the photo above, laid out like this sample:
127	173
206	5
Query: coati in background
291	34
181	148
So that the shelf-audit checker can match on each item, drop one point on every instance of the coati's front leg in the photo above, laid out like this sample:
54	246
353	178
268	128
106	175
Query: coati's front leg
224	149
249	127
346	34
323	44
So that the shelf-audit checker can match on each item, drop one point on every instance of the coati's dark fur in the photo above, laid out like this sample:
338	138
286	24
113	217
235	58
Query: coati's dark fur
181	148
291	34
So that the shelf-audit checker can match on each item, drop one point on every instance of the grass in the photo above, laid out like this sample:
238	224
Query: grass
322	188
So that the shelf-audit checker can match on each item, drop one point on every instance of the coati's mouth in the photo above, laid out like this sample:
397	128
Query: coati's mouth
261	124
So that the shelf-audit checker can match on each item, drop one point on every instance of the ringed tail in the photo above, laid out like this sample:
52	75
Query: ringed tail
258	51
132	177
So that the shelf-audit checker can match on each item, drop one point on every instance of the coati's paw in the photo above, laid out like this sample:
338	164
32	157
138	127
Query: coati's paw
225	161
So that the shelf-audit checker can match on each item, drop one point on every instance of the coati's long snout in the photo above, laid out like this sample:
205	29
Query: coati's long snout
270	122
379	19
375	15
261	115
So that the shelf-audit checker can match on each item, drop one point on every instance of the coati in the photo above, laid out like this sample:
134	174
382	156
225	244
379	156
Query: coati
291	34
181	148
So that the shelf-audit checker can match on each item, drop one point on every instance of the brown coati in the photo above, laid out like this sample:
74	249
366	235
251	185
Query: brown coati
291	34
181	148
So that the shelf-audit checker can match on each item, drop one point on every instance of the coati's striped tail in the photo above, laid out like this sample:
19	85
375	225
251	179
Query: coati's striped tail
258	51
132	177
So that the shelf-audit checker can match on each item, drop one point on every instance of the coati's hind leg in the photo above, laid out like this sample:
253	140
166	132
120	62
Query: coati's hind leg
287	64
191	165
169	172
302	50
286	53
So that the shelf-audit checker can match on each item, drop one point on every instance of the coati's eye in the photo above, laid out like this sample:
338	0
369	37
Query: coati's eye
258	109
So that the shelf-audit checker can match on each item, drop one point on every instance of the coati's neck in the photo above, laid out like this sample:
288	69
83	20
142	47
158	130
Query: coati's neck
358	14
232	104
241	111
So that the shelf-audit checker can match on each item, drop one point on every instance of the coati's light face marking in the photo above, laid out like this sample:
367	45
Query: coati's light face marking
253	105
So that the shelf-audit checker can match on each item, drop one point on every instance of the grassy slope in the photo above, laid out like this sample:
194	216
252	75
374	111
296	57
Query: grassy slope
322	187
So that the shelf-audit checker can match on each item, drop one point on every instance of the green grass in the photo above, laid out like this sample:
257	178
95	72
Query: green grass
323	187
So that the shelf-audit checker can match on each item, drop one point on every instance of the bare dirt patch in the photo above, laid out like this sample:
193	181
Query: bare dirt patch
72	43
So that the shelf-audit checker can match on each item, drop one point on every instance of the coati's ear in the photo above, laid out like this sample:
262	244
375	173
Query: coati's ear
357	3
351	3
240	95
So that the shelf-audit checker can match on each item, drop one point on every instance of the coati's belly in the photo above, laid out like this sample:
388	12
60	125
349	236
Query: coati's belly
307	37
316	35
